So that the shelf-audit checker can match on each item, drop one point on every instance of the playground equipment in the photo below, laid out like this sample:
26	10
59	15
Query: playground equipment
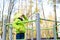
37	28
37	20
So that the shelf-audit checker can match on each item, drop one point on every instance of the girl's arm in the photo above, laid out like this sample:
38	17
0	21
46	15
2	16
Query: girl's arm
14	24
25	17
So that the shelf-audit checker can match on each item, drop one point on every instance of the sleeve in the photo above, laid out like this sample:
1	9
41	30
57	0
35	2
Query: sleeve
25	17
25	21
14	24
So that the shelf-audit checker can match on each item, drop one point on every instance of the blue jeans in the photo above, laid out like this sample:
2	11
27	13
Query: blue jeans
20	35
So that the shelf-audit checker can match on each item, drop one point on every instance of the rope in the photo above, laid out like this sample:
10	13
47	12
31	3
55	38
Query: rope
49	20
35	21
42	28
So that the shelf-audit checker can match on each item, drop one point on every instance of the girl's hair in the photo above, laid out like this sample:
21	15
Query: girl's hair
20	19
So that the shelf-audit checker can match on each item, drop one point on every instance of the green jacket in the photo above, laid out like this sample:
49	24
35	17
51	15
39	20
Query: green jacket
19	25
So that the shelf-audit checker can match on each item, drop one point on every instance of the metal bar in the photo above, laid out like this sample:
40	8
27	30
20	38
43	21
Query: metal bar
10	8
38	26
10	32
55	28
54	32
4	28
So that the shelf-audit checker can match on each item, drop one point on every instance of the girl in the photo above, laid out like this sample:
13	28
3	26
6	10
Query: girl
20	26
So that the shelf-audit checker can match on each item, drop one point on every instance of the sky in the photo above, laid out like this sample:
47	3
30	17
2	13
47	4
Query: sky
47	8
